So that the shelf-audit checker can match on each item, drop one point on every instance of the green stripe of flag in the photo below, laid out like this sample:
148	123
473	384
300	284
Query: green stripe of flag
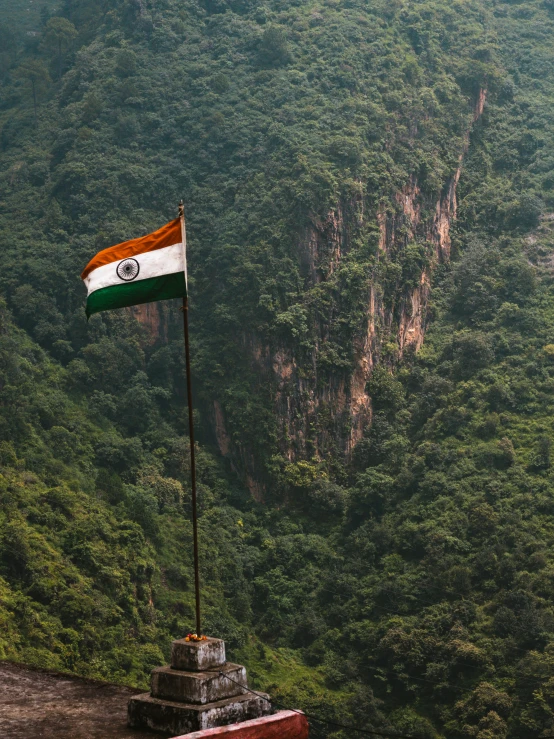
133	293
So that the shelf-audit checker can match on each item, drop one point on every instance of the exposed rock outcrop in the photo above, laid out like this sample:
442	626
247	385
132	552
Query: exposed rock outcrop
321	415
156	318
322	411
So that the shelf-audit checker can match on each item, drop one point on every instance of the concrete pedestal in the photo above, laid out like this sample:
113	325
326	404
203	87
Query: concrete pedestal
146	712
197	655
197	687
194	692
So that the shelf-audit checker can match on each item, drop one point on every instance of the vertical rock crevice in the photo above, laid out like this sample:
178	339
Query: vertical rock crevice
322	411
318	416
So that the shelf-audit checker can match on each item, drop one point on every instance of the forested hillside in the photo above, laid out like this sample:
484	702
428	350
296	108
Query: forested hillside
369	191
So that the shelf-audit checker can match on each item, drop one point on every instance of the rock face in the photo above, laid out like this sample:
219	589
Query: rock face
395	319
322	411
198	691
156	318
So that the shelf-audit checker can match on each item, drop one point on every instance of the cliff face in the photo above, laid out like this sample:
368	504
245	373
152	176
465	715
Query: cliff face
156	318
321	412
326	413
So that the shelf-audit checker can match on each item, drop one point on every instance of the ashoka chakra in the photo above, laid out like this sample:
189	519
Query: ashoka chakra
128	269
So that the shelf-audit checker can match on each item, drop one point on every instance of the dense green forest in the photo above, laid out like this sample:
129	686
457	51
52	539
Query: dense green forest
404	584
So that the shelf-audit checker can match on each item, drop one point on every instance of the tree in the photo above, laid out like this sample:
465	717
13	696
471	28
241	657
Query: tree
36	77
58	36
126	62
274	49
8	47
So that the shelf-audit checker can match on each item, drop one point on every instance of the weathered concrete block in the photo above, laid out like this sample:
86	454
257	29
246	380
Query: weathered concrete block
197	656
198	687
146	712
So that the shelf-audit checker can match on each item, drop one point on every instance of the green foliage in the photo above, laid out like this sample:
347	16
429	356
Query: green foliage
409	590
34	74
58	36
274	49
271	117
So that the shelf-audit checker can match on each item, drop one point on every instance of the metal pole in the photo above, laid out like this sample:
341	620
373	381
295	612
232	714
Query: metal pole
191	431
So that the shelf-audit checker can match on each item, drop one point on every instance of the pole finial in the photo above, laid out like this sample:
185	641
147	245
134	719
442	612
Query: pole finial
181	208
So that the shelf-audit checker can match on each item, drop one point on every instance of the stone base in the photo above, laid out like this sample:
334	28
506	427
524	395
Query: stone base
146	712
197	687
197	655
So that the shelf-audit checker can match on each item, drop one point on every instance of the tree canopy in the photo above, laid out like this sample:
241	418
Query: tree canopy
405	586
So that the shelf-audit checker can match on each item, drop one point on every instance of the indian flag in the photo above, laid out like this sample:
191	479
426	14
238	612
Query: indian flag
153	267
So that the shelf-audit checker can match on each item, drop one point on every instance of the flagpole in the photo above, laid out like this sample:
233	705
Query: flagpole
191	422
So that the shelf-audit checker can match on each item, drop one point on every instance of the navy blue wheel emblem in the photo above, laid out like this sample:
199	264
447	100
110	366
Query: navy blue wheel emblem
128	269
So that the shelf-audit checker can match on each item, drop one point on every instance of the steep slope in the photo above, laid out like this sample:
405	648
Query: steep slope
359	177
96	540
318	149
26	16
94	570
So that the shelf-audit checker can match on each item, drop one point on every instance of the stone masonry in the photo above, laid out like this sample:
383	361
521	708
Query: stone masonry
195	692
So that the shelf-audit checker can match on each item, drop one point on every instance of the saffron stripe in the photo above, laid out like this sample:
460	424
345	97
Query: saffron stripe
133	293
165	236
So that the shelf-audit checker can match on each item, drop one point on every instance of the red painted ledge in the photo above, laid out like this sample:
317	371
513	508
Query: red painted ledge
281	725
